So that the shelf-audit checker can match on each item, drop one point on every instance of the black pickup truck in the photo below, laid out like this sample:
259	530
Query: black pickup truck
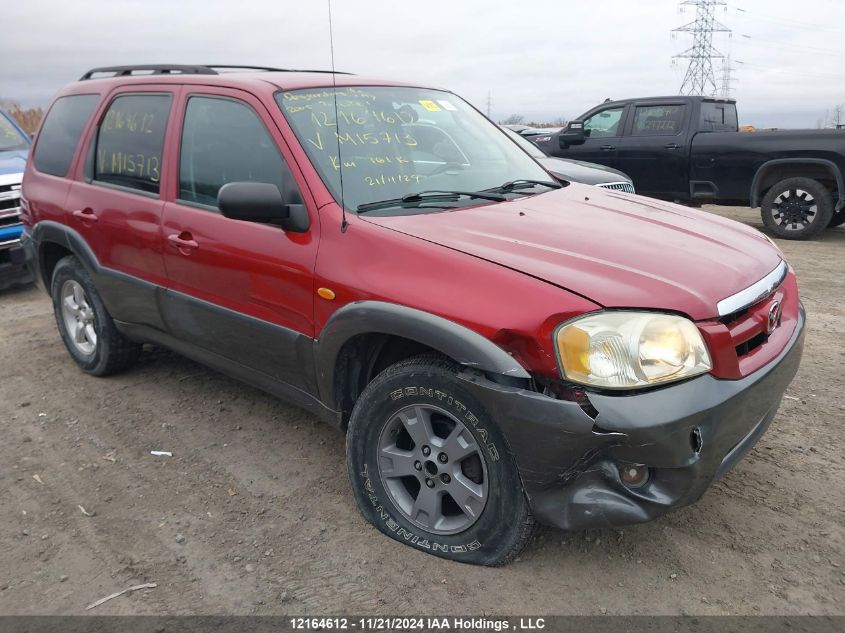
689	149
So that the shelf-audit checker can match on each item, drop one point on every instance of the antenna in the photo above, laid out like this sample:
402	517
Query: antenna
343	223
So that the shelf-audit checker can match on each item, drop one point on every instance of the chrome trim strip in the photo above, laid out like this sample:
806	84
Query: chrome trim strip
754	292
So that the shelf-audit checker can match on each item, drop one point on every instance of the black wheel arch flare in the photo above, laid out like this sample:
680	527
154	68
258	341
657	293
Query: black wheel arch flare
762	172
461	344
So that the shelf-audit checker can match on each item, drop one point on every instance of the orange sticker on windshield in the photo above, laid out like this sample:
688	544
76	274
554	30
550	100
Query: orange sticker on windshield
429	105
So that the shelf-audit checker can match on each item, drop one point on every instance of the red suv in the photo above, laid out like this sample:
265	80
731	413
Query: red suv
499	346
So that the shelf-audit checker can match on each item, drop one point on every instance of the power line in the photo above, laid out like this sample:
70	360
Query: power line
699	78
789	22
783	71
801	48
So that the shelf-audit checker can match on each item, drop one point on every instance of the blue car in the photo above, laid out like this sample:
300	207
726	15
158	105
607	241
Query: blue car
14	148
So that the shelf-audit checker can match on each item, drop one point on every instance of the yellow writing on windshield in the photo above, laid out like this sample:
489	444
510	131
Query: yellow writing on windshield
391	179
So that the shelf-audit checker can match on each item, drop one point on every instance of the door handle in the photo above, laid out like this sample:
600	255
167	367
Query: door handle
672	146
87	216
184	242
608	148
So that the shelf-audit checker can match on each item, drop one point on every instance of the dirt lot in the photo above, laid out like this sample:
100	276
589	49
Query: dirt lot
253	513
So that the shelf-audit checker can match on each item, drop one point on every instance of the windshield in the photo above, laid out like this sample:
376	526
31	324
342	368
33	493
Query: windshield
10	137
524	143
388	142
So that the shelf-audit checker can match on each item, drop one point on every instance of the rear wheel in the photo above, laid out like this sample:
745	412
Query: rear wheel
430	469
86	327
797	208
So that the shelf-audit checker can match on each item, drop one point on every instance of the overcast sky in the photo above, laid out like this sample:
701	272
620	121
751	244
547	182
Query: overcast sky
540	58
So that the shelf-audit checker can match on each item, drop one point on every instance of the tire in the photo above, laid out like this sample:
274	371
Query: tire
838	217
797	209
491	531
87	329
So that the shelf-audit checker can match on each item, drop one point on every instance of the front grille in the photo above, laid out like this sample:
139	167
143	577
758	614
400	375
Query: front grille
748	326
10	201
627	187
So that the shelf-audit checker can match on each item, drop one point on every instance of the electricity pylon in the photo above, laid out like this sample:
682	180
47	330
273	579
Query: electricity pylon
700	79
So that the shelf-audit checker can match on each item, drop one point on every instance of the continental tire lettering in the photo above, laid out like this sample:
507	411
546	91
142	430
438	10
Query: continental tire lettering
410	537
398	394
405	534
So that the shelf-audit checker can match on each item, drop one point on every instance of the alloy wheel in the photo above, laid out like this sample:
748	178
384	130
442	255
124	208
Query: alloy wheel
794	209
433	469
78	316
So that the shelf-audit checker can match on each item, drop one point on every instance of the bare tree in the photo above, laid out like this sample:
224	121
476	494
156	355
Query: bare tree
513	119
27	118
837	117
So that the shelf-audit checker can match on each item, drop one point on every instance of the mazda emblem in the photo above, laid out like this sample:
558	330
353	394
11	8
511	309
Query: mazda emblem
774	317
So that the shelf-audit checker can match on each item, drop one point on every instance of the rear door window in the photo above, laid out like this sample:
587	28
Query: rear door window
225	141
658	120
60	133
130	142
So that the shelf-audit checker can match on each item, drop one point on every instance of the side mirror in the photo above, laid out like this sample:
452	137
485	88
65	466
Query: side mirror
261	202
573	134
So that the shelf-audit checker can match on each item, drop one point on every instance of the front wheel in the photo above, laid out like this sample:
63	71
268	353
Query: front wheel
429	468
797	208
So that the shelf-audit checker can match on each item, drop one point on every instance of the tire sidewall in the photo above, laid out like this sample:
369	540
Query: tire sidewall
71	269
497	529
824	203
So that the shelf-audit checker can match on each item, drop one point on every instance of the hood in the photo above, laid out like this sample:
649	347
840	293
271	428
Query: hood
615	249
579	171
13	161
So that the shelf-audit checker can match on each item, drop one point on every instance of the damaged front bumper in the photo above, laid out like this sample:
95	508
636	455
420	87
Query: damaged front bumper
687	434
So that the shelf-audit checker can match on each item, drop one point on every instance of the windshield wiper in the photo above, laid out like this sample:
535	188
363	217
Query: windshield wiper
524	183
429	195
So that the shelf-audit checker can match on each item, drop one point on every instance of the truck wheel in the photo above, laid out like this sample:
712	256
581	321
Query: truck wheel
86	327
797	208
430	469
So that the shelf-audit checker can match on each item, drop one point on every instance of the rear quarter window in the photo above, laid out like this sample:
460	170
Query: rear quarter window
130	141
718	117
60	133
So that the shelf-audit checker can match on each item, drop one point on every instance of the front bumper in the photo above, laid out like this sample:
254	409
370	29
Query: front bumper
689	434
13	268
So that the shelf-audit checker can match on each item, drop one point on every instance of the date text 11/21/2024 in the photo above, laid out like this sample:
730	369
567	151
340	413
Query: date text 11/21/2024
453	623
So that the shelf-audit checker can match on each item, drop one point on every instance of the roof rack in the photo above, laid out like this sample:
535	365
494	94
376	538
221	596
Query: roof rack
181	69
148	69
269	69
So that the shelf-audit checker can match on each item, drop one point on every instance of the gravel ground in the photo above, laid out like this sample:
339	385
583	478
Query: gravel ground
253	512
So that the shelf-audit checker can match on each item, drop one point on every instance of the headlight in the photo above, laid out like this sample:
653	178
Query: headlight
627	350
